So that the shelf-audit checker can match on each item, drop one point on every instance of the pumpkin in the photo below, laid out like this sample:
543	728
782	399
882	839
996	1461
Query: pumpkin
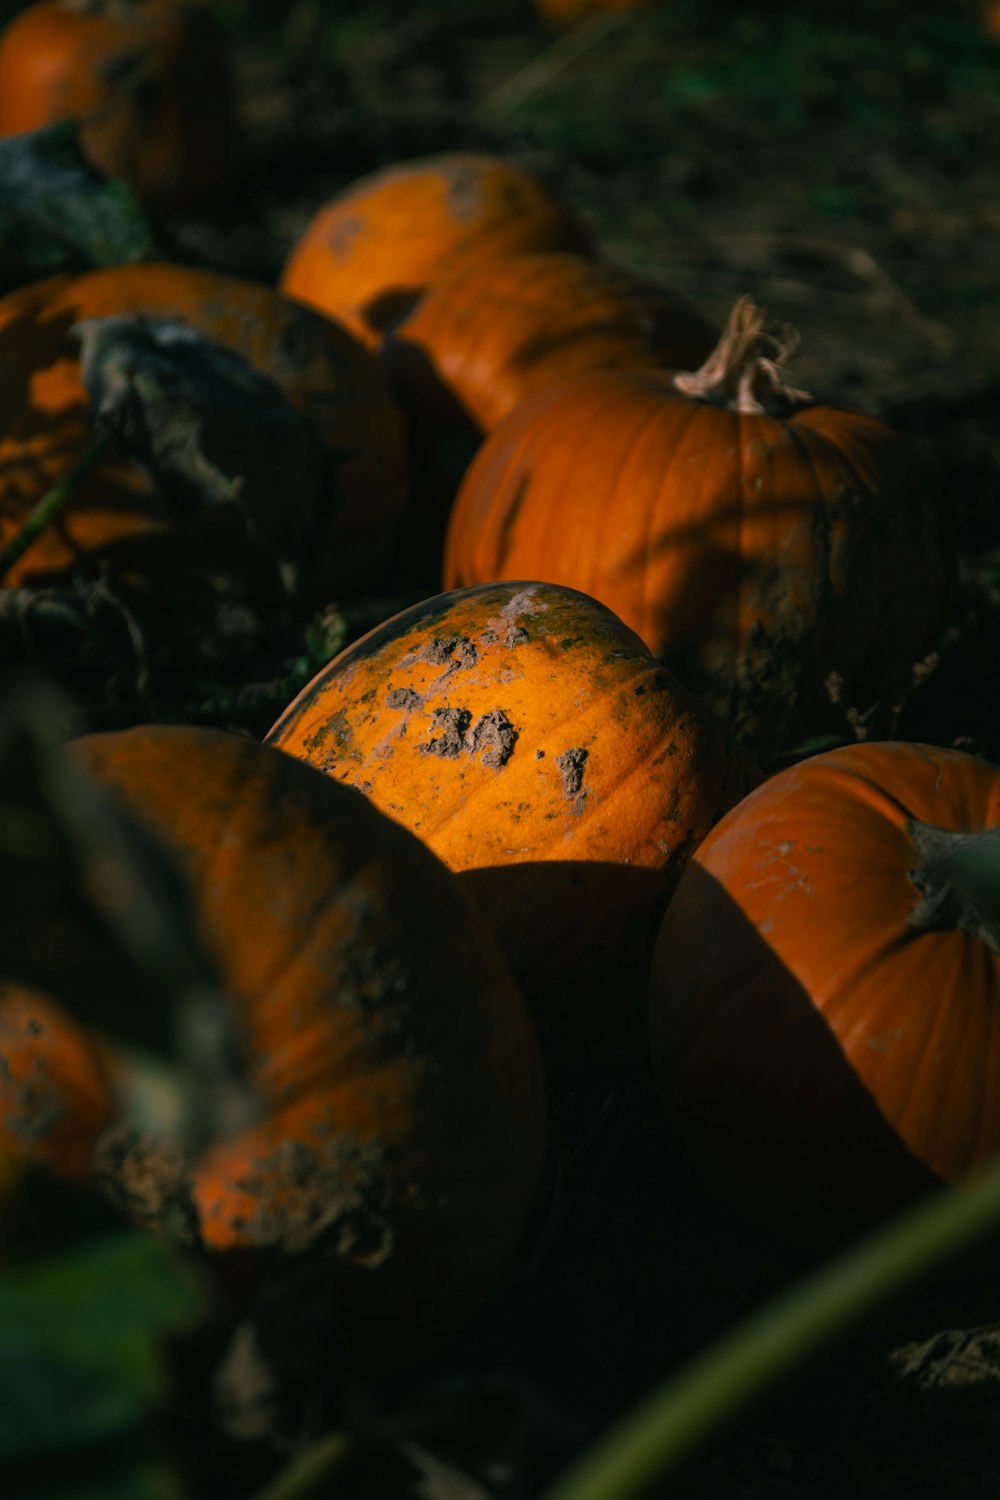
397	1121
57	1093
149	81
497	331
533	743
370	253
756	539
824	995
491	334
115	516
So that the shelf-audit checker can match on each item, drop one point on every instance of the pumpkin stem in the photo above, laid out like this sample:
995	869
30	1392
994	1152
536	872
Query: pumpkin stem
743	372
958	878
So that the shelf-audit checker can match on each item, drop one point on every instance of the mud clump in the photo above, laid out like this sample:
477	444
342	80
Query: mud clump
496	735
572	765
449	727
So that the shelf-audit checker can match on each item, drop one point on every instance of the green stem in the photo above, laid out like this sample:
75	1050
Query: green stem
315	1467
651	1444
51	504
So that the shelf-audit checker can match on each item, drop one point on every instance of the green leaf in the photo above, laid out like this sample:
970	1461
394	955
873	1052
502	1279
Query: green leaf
81	1373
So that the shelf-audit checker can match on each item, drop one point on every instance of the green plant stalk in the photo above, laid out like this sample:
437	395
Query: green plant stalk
51	504
314	1467
664	1431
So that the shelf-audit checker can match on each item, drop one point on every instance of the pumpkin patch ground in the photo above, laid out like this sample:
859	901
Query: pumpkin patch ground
837	169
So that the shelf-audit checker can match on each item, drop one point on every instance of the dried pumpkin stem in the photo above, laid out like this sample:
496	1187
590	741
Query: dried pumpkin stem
51	504
958	878
743	372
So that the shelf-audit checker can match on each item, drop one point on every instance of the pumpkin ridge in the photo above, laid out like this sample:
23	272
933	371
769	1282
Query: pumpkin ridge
651	424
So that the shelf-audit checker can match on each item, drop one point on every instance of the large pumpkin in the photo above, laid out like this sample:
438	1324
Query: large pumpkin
397	1121
534	744
149	81
116	515
758	540
496	332
825	997
368	254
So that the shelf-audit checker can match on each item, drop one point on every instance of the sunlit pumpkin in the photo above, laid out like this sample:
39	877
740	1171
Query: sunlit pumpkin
369	253
759	541
395	1116
116	515
825	996
149	81
533	743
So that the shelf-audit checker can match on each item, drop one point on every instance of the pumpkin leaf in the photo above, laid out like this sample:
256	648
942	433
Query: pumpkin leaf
92	911
58	214
80	1371
209	429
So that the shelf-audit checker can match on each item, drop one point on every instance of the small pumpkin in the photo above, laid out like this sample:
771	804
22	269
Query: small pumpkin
149	81
397	1122
824	996
115	515
756	539
370	252
529	738
497	331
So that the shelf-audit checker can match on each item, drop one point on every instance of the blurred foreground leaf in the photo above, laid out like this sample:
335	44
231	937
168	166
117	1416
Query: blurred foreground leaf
81	1373
92	910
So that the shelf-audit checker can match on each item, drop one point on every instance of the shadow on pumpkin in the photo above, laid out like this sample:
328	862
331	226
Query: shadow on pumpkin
441	442
578	938
764	1102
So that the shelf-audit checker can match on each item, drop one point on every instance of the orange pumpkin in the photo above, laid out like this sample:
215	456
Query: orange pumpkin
534	744
149	81
496	332
823	1003
58	1083
370	253
756	539
397	1114
116	515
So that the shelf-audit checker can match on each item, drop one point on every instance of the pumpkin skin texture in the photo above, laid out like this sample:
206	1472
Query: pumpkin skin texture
115	515
532	742
399	1120
827	1051
150	82
497	332
370	253
756	540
